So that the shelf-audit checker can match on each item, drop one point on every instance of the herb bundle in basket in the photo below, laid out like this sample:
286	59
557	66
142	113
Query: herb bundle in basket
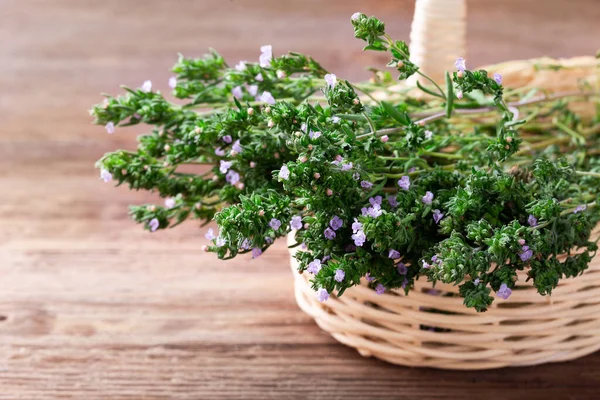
464	182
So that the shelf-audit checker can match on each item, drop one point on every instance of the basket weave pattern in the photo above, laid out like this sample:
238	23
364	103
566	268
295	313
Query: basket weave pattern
432	328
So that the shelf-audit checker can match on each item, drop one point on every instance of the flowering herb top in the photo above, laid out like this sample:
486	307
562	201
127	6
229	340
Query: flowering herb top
467	184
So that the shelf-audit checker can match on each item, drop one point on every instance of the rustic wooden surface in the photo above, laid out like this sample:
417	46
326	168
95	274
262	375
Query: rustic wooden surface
93	307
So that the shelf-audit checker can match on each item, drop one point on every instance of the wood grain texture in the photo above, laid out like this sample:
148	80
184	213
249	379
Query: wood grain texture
93	307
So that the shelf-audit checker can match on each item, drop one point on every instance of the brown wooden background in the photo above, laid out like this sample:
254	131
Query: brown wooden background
92	307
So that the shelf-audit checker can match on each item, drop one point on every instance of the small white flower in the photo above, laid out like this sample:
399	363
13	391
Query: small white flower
172	82
460	64
146	86
241	66
331	80
170	202
252	89
237	92
110	128
335	119
281	74
105	175
355	16
266	55
258	77
267	97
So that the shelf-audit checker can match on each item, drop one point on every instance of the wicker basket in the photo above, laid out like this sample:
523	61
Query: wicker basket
431	327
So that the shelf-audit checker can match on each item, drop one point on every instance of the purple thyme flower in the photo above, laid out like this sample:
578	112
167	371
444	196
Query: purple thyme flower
580	208
437	216
532	220
210	234
258	77
220	242
105	175
335	119
404	283
329	233
339	275
284	172
428	198
375	200
170	202
459	94
459	64
435	259
146	86
237	92
256	252
296	223
366	184
476	281
374	211
275	223
227	139
402	270
322	295
368	277
252	89
356	226
393	201
153	224
266	54
314	267
267	97
236	146
404	182
498	78
346	166
331	80
224	166
393	254
325	259
355	16
384	138
526	254
379	289
504	292
336	223
426	265
245	244
268	240
232	177
314	135
241	66
359	238
172	82
110	128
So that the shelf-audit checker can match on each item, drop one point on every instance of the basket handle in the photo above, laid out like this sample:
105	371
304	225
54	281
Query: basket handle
438	35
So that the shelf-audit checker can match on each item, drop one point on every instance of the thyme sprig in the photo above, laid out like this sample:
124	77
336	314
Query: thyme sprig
467	185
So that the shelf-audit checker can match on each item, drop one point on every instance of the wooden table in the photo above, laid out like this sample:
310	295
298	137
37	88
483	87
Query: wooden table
93	307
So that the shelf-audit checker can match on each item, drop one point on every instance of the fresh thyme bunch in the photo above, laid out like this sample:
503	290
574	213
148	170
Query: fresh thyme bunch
467	184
